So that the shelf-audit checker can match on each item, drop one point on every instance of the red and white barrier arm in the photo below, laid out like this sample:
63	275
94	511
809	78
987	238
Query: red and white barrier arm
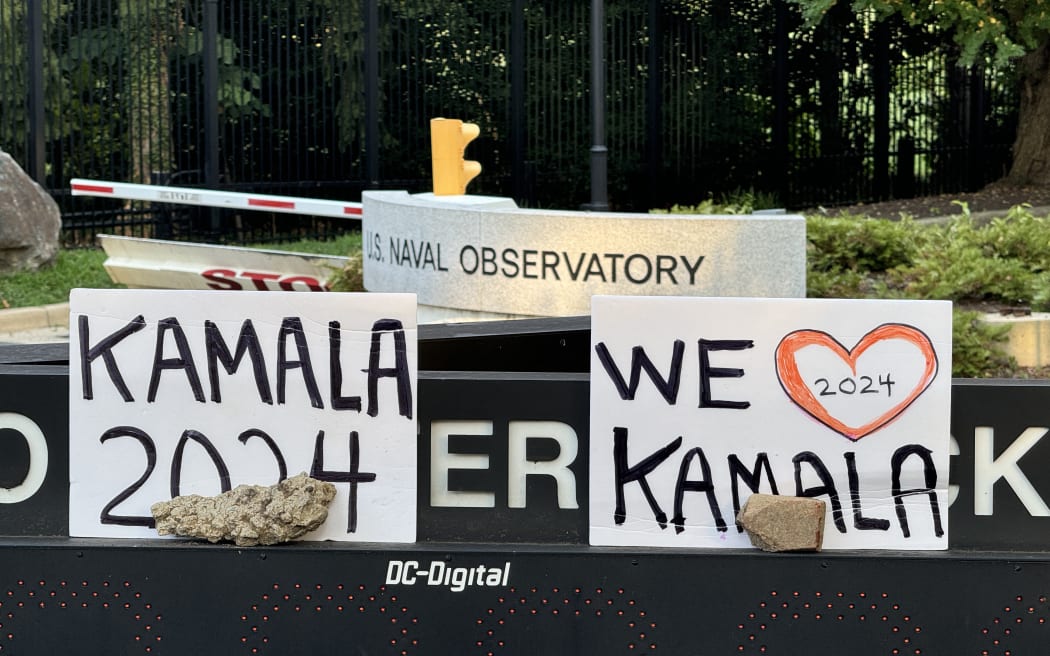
213	198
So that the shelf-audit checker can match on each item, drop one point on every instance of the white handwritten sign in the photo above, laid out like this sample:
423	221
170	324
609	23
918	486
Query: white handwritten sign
697	403
195	392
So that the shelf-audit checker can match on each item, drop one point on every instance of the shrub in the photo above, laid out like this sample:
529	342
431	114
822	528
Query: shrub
1004	261
738	201
977	347
351	277
852	243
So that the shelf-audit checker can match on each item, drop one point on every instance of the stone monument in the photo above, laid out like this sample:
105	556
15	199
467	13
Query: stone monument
482	257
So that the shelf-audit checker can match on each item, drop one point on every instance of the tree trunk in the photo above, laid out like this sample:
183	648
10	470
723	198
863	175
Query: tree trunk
1031	150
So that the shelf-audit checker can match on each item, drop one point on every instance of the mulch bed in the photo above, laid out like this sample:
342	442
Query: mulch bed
996	196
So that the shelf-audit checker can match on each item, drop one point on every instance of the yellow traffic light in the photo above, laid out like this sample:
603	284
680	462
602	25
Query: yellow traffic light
448	138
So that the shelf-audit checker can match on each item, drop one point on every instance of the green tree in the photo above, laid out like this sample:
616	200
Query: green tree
1006	31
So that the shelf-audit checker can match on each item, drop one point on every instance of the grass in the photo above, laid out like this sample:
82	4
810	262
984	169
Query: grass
72	268
341	245
83	268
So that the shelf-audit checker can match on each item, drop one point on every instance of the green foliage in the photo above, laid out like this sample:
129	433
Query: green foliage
72	268
351	277
977	347
346	244
1005	261
738	201
1005	29
708	206
847	243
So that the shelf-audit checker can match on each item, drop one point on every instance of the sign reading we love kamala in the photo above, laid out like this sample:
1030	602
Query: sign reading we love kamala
697	403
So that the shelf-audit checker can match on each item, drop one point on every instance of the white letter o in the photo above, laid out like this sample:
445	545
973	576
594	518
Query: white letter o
34	438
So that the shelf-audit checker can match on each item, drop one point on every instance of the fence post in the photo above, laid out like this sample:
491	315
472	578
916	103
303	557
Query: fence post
517	101
881	76
211	102
371	10
975	142
35	75
599	152
780	176
654	102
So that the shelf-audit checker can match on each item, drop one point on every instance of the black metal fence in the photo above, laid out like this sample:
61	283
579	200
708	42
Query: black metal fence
326	98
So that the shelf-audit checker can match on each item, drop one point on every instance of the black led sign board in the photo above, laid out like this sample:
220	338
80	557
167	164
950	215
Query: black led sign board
34	450
501	565
1000	477
502	457
105	598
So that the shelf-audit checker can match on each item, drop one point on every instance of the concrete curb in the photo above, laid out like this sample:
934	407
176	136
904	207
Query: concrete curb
1029	338
32	318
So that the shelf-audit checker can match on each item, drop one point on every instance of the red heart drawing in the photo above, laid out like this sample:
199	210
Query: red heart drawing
802	396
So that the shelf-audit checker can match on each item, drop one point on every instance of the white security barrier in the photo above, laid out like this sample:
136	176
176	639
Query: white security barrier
213	198
159	264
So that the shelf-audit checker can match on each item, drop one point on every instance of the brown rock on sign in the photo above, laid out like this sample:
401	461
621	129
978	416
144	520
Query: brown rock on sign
779	523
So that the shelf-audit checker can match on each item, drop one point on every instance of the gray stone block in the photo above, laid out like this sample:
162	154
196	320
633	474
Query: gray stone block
484	254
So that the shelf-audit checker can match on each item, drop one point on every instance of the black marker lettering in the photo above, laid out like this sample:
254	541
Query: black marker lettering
930	478
399	371
107	516
282	467
338	401
668	387
184	361
353	476
707	372
625	475
859	520
175	480
104	349
294	326
218	352
752	479
703	485
827	485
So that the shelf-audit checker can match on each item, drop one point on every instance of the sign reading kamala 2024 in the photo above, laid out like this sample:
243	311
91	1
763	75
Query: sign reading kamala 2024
696	403
194	392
